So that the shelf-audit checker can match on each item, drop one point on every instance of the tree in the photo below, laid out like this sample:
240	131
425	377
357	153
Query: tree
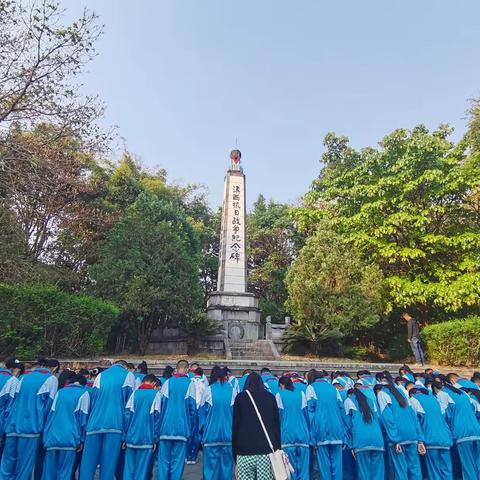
149	267
407	206
332	293
272	245
40	59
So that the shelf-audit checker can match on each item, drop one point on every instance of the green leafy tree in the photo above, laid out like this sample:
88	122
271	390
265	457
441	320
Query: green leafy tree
408	207
149	267
47	321
273	243
332	293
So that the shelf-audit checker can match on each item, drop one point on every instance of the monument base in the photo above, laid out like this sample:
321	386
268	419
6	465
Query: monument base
238	313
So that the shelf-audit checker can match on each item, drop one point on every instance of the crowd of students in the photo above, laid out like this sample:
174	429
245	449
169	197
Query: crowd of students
64	425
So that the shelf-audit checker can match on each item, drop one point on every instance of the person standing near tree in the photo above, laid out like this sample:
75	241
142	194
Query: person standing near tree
414	338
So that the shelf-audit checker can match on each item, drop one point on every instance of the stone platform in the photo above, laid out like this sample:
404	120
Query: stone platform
278	366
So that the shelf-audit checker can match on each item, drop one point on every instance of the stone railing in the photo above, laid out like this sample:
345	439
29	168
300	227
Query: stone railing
275	331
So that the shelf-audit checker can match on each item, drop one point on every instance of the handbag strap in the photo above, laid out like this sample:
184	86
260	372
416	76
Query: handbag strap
267	436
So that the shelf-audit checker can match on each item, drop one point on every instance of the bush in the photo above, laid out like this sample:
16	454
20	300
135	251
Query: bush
46	321
455	342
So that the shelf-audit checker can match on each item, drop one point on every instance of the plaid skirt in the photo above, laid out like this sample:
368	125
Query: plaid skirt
254	467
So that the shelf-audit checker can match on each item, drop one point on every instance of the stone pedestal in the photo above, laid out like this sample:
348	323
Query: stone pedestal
238	313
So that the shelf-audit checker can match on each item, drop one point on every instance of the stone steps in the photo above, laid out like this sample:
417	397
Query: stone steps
253	349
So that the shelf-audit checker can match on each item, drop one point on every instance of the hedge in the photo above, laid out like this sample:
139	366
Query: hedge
47	321
454	342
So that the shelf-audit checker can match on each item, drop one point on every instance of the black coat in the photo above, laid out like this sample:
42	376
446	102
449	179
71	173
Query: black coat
247	433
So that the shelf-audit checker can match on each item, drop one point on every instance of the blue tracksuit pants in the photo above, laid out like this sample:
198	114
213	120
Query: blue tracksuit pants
58	464
18	459
137	463
171	459
469	454
217	462
330	462
370	465
406	465
193	445
300	459
100	449
438	464
348	464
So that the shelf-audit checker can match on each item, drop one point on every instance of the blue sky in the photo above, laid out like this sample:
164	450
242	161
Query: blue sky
183	78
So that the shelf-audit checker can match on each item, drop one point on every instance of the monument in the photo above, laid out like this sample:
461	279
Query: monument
231	304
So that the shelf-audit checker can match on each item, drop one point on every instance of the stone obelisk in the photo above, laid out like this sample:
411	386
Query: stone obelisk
231	303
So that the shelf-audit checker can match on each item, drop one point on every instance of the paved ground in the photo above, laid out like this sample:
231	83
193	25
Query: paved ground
193	472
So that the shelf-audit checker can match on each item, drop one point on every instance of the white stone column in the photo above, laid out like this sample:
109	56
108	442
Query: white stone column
232	272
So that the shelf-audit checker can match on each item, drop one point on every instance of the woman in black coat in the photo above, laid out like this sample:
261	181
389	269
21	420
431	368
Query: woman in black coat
250	446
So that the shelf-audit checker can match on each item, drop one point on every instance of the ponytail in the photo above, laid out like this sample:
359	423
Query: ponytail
364	406
286	382
402	401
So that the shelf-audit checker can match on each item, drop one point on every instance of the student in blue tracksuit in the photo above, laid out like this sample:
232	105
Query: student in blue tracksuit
270	381
26	419
215	426
326	426
465	428
365	436
232	379
298	383
402	427
366	381
111	390
179	415
64	432
142	428
294	421
436	433
8	387
140	372
243	379
168	372
193	445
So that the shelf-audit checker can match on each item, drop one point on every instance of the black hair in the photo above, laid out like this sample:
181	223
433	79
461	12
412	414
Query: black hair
363	404
401	380
143	367
96	370
130	366
150	378
194	363
52	363
20	366
474	392
65	377
450	375
76	378
408	384
227	370
123	363
476	375
218	374
436	386
406	368
247	371
11	363
286	382
363	372
452	388
254	383
41	362
310	374
83	371
316	375
415	390
385	375
183	364
167	372
428	371
198	371
266	370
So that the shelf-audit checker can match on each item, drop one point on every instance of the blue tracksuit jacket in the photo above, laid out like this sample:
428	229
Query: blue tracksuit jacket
362	436
142	418
8	387
325	413
401	424
110	392
435	430
294	420
271	383
179	410
461	418
66	422
33	399
216	413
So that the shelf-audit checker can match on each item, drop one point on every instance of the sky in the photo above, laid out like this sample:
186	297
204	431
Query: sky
184	80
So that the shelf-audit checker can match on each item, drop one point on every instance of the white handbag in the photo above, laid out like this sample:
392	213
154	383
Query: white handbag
281	466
